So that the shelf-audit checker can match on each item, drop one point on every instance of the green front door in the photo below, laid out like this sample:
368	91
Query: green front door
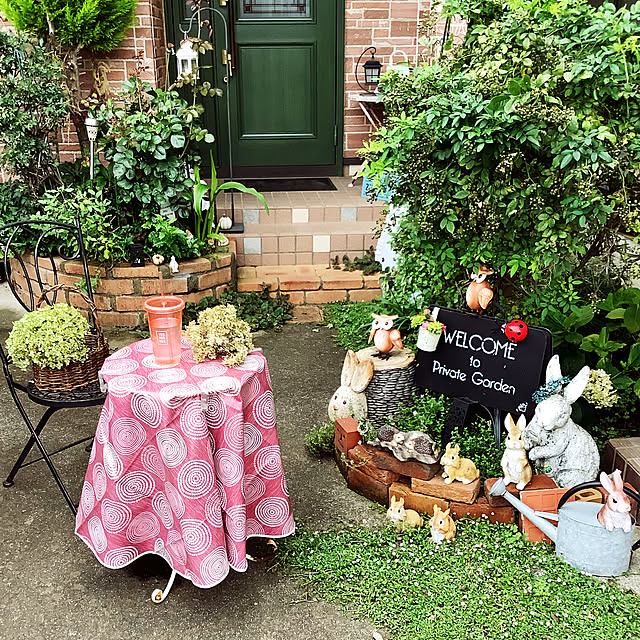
283	101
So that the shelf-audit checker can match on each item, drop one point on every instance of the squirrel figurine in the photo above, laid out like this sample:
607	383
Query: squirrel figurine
403	518
442	525
515	464
457	468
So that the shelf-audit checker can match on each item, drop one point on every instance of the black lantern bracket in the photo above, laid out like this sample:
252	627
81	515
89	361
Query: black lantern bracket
371	68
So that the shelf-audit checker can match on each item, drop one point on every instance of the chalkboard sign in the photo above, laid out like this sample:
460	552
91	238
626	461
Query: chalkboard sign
475	360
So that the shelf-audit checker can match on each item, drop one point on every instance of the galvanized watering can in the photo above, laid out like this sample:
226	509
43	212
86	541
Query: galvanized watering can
579	538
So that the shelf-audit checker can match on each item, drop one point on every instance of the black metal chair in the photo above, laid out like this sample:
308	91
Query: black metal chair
27	285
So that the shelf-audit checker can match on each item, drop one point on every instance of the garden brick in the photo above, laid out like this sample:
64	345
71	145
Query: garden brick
363	460
76	268
346	434
130	303
384	459
117	287
321	297
342	280
416	501
101	302
302	283
367	486
196	265
214	278
364	295
173	285
455	492
482	509
148	271
115	319
255	284
538	481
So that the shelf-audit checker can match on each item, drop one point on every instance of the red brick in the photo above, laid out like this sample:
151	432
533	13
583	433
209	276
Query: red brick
367	486
372	282
416	501
538	481
363	461
295	297
196	296
342	280
302	283
101	302
148	271
346	434
482	509
384	459
195	266
221	276
173	285
115	319
223	261
118	287
540	500
364	295
254	284
130	303
321	297
76	268
454	492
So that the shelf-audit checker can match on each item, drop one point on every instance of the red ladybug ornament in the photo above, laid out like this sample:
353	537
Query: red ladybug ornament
516	330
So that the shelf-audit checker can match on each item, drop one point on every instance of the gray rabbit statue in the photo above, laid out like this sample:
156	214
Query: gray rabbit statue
561	448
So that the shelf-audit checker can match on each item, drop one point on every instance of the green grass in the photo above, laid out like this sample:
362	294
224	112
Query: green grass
488	584
352	320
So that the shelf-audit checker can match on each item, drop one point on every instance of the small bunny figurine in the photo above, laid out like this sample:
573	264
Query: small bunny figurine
515	465
615	513
457	468
562	449
403	518
442	525
349	400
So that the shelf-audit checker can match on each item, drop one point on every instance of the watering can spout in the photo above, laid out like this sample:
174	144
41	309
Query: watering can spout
499	489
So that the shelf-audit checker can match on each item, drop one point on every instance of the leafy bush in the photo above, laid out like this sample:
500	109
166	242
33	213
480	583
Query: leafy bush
33	107
352	320
146	136
49	337
259	310
320	441
489	583
168	239
520	150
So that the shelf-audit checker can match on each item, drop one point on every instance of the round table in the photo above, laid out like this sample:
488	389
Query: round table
185	464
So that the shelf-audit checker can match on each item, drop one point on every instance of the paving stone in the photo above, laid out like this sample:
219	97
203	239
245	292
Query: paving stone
362	459
482	509
414	500
306	313
367	486
384	459
456	491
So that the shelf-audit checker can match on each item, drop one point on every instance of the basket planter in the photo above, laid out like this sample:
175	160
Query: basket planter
428	341
76	374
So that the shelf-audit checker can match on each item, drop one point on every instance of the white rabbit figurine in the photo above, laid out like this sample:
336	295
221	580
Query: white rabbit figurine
563	449
615	514
349	400
515	465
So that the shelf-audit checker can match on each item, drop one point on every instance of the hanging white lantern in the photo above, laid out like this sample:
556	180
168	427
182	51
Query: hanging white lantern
187	58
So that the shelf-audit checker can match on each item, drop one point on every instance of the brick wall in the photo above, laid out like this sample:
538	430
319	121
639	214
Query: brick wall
392	27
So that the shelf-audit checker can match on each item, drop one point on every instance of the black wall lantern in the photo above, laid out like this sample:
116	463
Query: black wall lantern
372	69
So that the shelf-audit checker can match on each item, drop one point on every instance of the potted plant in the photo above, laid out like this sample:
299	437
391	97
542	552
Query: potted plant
59	345
430	330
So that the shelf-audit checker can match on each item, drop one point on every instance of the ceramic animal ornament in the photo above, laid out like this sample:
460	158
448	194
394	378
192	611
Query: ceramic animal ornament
442	525
173	265
479	292
457	468
349	400
408	444
225	223
515	464
384	336
560	447
401	517
157	259
616	511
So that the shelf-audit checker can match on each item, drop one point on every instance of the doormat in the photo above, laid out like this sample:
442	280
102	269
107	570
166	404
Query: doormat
266	185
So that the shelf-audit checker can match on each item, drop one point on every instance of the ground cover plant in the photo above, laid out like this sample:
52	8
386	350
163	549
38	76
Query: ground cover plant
352	321
320	440
488	583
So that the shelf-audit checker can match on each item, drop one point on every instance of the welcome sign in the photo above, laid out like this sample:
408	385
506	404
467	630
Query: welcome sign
475	360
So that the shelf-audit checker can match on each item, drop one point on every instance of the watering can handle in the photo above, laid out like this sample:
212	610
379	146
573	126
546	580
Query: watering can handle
594	485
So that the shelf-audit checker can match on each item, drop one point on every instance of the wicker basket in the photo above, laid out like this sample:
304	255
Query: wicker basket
76	374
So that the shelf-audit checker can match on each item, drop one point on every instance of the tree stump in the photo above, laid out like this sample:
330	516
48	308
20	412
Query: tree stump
392	383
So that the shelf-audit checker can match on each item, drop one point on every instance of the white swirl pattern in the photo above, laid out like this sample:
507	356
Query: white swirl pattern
264	410
142	528
235	520
150	459
268	463
226	385
144	346
162	507
172	447
234	433
196	536
147	409
216	411
175	499
99	480
119	367
127	436
134	486
213	510
215	566
87	498
174	395
254	528
164	376
176	547
253	488
123	352
272	512
192	420
229	467
252	438
252	362
111	461
209	370
115	516
121	557
195	479
97	534
122	386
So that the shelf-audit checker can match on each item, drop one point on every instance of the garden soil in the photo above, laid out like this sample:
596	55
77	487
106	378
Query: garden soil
51	586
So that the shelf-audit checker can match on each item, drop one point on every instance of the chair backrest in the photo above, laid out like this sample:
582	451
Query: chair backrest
46	240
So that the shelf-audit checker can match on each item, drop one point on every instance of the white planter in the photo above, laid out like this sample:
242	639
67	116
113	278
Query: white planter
428	341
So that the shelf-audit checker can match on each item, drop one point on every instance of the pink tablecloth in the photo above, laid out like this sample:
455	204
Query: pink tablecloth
185	464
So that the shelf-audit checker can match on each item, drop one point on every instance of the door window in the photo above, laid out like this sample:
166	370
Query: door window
262	9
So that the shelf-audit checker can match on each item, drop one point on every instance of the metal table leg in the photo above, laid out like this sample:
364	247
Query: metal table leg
160	595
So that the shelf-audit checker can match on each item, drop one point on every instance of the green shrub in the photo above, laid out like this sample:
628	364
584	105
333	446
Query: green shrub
259	310
49	337
519	150
168	239
352	320
320	441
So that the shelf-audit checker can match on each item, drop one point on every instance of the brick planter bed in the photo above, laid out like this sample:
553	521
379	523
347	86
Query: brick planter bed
122	289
